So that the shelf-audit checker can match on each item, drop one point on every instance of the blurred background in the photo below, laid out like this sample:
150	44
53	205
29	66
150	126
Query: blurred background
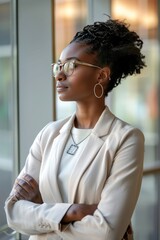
32	35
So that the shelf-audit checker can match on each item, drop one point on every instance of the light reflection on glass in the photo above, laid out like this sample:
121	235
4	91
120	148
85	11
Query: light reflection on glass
141	108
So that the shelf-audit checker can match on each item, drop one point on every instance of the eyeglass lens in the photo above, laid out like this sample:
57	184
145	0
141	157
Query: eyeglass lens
67	67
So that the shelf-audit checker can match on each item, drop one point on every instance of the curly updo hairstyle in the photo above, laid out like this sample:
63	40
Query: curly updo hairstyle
116	46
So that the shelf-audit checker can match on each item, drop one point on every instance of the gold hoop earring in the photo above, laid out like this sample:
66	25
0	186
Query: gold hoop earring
98	84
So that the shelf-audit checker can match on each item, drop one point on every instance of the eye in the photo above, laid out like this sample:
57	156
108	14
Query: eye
71	65
75	65
68	67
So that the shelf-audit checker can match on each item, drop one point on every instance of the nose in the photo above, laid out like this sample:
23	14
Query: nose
60	76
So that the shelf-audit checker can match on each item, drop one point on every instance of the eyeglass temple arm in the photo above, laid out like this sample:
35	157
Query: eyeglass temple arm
87	64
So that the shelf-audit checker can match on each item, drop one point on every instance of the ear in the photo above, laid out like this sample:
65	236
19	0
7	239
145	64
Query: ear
104	76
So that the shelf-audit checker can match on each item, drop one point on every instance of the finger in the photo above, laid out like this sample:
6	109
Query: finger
19	196
24	184
21	191
31	181
13	197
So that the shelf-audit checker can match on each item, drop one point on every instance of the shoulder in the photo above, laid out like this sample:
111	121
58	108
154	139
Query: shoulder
127	131
118	127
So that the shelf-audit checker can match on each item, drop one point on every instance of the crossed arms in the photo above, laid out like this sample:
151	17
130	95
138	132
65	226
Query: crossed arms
26	188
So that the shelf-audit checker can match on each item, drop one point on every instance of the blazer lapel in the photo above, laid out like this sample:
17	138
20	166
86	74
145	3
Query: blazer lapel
58	147
94	143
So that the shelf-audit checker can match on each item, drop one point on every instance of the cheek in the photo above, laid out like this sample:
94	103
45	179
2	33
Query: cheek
84	80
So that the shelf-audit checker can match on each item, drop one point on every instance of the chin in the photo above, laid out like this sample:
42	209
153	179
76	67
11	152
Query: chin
65	99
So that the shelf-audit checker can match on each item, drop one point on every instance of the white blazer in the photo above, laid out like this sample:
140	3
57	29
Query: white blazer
108	172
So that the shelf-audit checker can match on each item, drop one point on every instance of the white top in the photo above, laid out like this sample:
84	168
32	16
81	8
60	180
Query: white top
68	161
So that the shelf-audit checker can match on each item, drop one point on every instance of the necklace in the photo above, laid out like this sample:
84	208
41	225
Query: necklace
74	147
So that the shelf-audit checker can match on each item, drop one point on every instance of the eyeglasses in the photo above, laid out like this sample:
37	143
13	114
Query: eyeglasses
68	67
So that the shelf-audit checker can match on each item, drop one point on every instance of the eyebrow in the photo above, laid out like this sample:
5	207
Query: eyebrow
70	58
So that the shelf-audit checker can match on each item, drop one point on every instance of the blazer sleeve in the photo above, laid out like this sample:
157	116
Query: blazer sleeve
119	195
39	218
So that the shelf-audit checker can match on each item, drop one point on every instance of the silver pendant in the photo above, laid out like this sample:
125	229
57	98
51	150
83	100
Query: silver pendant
72	149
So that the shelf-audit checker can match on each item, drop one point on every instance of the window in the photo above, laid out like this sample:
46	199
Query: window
141	109
8	106
70	16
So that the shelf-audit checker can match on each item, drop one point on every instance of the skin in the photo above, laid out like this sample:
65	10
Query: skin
26	188
80	85
79	88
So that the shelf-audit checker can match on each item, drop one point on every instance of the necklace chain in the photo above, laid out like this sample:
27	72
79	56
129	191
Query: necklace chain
74	147
80	141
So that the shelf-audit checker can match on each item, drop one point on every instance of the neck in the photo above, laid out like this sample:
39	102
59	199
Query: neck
87	116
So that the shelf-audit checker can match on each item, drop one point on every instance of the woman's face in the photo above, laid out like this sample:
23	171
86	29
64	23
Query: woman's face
78	86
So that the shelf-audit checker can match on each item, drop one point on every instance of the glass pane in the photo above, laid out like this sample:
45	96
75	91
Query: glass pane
146	222
141	91
141	108
70	16
6	108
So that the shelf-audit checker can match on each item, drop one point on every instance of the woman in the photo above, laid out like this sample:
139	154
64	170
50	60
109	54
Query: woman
82	177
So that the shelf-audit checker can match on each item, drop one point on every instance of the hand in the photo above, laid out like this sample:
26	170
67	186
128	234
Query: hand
78	211
128	232
26	188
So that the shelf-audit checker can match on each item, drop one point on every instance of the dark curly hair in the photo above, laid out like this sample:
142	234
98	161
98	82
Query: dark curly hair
116	46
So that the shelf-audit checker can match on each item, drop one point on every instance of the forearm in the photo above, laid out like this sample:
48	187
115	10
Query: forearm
29	218
77	211
92	226
25	203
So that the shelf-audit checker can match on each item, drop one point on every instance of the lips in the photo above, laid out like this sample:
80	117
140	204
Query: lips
61	87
